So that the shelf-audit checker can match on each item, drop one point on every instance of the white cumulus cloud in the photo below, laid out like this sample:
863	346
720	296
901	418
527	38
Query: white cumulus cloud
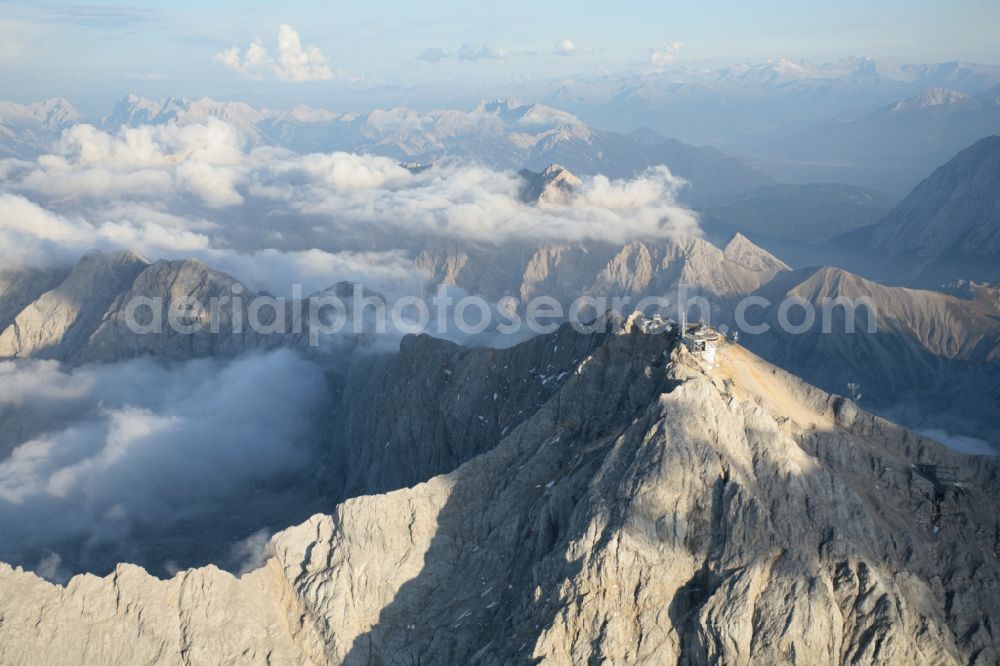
664	54
292	61
275	217
564	48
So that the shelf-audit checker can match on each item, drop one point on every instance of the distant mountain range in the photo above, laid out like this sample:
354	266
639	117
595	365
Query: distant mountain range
504	134
943	231
946	229
877	123
811	213
27	130
897	144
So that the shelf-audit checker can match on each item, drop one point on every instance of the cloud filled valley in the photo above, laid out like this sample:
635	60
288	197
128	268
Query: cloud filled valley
173	450
139	461
275	217
139	183
544	333
167	466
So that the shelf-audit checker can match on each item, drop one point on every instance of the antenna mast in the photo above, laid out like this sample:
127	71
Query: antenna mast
682	306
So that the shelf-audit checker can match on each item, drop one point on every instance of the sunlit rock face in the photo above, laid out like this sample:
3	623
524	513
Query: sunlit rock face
640	507
553	185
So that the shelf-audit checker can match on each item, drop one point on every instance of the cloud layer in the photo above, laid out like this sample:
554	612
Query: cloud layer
469	53
200	190
292	62
130	461
564	47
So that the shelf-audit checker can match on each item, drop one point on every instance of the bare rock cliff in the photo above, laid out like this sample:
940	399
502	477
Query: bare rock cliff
648	509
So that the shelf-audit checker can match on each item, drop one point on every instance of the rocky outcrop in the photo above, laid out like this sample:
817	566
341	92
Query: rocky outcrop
648	509
60	321
554	185
436	405
115	306
568	270
743	252
644	268
134	618
21	287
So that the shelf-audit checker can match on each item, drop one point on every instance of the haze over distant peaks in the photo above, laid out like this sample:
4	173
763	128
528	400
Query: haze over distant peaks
934	98
503	134
28	129
948	227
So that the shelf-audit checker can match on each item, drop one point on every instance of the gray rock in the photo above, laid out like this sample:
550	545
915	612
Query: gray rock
648	510
88	315
554	185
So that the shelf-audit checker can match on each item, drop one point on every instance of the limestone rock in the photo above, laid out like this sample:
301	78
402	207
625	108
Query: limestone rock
646	510
553	186
745	253
90	314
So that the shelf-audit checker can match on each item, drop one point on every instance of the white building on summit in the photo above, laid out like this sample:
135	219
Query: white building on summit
701	340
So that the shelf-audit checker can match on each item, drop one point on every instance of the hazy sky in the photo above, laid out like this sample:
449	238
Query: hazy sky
93	53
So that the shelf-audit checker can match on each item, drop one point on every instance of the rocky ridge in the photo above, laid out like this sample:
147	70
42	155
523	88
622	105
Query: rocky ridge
83	315
649	509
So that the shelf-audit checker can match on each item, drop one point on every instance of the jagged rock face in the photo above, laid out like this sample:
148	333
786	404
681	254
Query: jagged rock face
172	281
569	270
61	319
554	185
408	405
84	316
648	510
19	288
648	268
560	270
748	255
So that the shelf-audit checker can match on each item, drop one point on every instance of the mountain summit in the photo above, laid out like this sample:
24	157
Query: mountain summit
640	507
553	185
